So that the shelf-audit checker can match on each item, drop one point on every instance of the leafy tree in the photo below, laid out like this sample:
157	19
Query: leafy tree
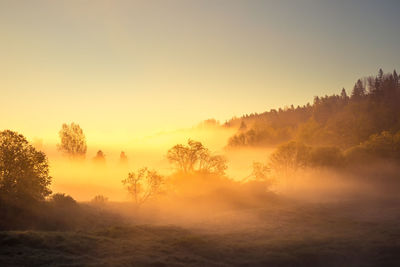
384	144
143	185
24	171
185	157
290	157
195	157
73	141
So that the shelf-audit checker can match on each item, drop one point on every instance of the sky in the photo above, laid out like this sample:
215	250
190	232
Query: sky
125	69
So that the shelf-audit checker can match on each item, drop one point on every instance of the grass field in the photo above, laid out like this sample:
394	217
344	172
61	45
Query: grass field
330	234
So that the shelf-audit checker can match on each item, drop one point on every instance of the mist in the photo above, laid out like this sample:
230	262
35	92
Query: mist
87	178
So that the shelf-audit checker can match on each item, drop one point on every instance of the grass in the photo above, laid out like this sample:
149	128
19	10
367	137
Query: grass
279	235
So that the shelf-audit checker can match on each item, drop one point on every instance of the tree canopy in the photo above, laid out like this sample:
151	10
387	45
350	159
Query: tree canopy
24	171
72	140
196	158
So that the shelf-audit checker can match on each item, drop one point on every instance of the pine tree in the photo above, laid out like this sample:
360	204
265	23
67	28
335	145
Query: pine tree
396	79
343	94
358	90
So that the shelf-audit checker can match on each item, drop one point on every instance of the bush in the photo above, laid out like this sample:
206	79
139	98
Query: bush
61	200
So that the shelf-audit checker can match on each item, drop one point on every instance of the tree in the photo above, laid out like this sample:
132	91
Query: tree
196	158
396	79
380	75
185	157
143	185
343	94
99	201
62	200
358	90
24	171
242	126
123	159
260	171
290	157
100	157
384	145
73	141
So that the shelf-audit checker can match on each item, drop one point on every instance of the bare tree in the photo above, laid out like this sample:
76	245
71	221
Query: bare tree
73	141
143	185
260	172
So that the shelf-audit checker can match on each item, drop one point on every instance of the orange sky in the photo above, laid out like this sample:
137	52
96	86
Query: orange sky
128	69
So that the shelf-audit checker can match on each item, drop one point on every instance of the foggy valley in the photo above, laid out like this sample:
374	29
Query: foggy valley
199	133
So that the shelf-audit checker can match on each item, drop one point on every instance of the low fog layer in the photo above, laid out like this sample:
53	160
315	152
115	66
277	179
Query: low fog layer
86	178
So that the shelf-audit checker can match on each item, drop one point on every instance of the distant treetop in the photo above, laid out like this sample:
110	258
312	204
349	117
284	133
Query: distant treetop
72	141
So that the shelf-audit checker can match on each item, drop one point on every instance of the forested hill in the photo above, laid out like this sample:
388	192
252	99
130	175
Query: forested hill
337	120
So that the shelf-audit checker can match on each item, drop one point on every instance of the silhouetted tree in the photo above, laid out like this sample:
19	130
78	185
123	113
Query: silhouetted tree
99	201
62	200
100	157
243	126
380	75
396	79
24	171
73	141
143	185
358	90
123	159
195	157
343	94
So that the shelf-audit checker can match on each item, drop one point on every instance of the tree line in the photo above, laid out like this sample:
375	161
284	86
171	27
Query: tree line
340	120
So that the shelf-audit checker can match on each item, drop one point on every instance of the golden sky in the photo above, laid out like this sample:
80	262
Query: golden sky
124	69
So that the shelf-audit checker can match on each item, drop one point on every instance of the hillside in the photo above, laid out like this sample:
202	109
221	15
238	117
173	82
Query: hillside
338	120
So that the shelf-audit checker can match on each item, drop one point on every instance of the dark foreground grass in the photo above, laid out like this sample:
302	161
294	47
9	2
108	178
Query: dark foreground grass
308	235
